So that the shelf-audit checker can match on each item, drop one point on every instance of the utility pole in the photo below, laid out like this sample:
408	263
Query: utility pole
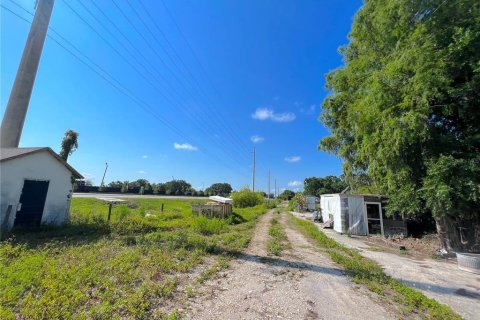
104	173
253	175
269	190
275	192
17	106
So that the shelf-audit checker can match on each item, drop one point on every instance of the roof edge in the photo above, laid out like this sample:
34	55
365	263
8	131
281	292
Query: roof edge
75	173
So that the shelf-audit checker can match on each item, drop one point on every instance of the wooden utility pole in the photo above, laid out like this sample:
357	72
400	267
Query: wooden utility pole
104	173
17	106
253	175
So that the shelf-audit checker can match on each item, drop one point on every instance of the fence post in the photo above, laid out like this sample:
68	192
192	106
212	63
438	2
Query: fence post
162	207
109	211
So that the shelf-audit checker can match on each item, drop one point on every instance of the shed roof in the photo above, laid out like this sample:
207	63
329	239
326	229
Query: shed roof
354	195
221	199
7	154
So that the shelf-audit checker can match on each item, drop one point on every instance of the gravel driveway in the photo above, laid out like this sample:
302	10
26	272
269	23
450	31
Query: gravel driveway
440	280
301	284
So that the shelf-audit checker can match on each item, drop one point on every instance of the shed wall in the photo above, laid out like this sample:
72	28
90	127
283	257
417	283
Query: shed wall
36	166
356	214
329	205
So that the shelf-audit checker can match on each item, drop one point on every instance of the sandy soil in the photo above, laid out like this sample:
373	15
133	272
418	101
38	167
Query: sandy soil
301	284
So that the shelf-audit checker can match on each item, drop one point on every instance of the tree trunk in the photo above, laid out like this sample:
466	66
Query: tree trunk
458	236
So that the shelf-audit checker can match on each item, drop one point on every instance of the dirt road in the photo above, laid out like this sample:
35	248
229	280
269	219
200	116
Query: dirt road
301	284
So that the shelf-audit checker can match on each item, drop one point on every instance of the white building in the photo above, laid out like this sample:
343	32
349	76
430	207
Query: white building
352	213
36	187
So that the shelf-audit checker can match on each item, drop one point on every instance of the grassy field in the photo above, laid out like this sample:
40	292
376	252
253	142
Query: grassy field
368	273
127	268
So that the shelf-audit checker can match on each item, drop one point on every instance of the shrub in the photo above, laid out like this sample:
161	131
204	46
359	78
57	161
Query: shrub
209	226
247	198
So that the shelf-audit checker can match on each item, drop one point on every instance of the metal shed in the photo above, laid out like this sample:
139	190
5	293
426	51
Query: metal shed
352	213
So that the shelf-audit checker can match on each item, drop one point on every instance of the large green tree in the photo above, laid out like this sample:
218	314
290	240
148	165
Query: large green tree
404	110
219	189
177	187
315	186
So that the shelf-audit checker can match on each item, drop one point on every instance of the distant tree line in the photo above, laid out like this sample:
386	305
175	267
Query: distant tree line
143	186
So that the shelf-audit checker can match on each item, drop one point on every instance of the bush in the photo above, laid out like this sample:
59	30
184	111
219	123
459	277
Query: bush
207	226
272	203
247	198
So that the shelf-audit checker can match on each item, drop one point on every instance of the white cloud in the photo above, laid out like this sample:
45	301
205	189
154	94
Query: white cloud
144	156
309	111
141	172
184	146
88	176
256	139
293	159
295	183
268	114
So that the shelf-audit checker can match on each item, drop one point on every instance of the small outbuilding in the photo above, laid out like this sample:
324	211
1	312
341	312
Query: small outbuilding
354	213
36	187
217	207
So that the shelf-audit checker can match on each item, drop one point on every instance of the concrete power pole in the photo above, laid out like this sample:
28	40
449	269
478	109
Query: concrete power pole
16	111
253	175
275	192
269	190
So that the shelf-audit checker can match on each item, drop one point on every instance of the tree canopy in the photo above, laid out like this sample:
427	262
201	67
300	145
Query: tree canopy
219	189
330	184
287	195
404	110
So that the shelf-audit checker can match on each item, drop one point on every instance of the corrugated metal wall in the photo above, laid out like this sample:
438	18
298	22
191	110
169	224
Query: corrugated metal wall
357	223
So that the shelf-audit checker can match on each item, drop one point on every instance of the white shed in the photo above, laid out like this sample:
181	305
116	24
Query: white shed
36	187
352	213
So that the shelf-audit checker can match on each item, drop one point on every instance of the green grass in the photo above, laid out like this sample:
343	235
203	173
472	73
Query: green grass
278	239
368	273
121	269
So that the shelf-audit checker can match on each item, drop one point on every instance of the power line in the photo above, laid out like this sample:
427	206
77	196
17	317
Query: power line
204	126
220	121
212	84
169	99
120	88
216	113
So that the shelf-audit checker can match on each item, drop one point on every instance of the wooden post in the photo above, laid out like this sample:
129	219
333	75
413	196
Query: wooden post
109	211
162	207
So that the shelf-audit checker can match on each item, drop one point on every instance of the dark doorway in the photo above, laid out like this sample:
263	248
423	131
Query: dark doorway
32	201
374	218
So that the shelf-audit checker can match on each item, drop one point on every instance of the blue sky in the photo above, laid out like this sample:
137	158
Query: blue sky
255	77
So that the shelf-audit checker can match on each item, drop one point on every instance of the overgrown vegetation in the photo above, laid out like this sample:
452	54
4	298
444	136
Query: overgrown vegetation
247	198
127	268
404	111
368	273
297	203
278	238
